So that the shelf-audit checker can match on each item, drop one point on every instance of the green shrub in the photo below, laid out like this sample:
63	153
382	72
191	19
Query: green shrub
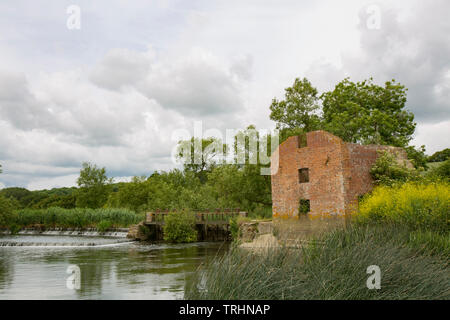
7	215
234	228
180	227
104	225
417	157
261	212
440	156
14	228
420	206
441	171
387	171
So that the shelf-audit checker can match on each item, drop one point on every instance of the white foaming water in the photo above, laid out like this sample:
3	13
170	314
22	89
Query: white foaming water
56	239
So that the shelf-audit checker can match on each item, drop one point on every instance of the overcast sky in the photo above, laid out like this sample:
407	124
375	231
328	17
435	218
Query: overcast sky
114	91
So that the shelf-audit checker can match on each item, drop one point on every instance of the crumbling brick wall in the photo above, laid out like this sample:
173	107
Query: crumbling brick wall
324	172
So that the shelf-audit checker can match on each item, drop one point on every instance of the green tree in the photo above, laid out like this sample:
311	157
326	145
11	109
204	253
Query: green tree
440	156
6	211
417	157
7	207
19	194
134	195
299	107
200	155
94	186
366	113
442	171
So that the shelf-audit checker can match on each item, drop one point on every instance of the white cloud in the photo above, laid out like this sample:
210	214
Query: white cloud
433	135
54	182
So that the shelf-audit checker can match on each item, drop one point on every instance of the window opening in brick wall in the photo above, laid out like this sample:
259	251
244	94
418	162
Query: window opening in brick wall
303	175
304	206
302	141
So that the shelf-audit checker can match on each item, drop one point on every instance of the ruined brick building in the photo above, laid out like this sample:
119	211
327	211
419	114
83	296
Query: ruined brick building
319	174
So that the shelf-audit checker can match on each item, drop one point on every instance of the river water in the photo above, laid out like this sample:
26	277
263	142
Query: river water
36	267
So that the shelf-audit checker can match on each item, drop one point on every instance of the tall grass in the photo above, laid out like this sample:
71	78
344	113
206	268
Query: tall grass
76	218
419	206
334	270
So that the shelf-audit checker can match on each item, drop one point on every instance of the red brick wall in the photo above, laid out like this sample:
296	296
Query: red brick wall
338	173
323	157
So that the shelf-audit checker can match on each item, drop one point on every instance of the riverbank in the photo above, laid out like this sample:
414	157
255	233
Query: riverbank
333	268
400	230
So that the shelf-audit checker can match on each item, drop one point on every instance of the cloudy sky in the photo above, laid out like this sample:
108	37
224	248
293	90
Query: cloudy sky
115	90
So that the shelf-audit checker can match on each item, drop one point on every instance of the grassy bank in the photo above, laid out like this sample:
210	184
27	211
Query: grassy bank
403	229
334	270
74	218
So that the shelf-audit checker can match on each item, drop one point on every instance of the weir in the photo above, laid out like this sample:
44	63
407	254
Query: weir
90	232
59	244
63	238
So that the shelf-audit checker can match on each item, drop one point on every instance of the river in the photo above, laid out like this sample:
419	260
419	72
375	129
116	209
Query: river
36	267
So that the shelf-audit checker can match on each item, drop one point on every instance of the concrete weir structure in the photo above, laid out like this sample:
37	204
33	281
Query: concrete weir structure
319	175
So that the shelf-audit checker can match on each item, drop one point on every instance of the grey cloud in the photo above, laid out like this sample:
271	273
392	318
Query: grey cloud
17	104
194	84
69	108
414	50
120	68
242	67
195	89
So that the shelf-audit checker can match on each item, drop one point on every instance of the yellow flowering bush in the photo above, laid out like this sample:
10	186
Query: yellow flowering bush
424	206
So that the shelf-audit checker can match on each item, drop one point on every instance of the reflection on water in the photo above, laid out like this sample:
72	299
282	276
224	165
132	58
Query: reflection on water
122	271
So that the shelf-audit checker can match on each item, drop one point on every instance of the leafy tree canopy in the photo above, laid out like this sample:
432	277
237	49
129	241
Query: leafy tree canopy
94	186
360	112
366	113
298	108
440	156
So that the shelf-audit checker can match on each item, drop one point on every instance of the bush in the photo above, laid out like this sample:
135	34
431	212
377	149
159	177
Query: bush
235	226
417	157
440	156
420	206
180	227
442	171
387	170
334	270
104	225
6	211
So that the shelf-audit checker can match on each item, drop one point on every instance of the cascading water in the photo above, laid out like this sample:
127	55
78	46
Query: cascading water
64	238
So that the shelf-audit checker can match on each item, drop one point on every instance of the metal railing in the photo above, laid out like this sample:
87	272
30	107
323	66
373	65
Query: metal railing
218	216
